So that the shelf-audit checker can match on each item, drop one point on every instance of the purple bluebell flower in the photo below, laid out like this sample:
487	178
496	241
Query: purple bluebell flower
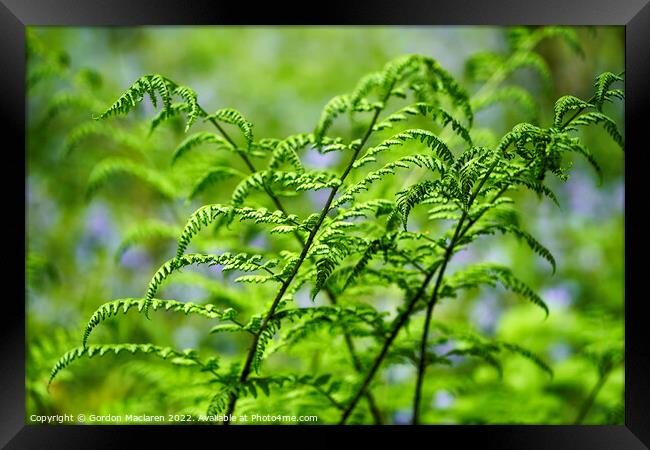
486	313
560	351
134	258
402	417
442	399
558	297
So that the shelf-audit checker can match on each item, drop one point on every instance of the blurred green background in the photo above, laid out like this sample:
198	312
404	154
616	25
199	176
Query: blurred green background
280	78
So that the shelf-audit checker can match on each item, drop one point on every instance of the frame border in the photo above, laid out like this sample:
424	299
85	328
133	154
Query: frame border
633	14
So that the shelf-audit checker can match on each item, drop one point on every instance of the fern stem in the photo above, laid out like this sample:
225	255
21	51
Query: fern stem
434	297
372	404
401	320
448	254
591	398
301	258
356	362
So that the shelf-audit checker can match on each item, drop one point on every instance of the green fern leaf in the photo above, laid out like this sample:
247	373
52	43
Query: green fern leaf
101	350
123	305
197	139
109	168
152	229
234	117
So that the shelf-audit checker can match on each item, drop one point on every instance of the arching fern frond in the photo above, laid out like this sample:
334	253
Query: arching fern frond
565	104
423	136
98	129
414	195
123	305
508	94
602	84
165	114
109	168
211	177
240	261
233	117
154	85
184	357
608	124
436	113
286	151
487	273
197	139
332	109
311	180
151	229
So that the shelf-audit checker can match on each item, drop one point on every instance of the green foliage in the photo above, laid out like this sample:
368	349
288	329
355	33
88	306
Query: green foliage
156	85
368	236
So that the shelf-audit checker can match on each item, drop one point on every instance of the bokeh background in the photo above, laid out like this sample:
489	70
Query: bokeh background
280	78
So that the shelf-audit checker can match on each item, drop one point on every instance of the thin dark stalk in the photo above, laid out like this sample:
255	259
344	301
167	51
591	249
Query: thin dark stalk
434	297
591	398
398	323
402	319
448	254
301	258
372	404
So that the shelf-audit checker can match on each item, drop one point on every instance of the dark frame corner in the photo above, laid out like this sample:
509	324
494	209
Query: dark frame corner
15	15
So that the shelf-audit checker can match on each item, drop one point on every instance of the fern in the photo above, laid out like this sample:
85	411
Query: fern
104	172
239	261
102	350
156	85
234	117
113	308
491	274
359	244
152	229
197	139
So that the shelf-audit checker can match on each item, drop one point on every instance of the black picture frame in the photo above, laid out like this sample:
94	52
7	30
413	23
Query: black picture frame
16	14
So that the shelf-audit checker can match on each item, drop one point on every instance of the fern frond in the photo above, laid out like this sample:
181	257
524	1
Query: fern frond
565	104
286	151
71	100
151	229
154	85
233	117
426	137
436	113
165	114
109	168
240	261
334	107
487	273
486	353
123	305
514	94
203	216
98	129
608	124
414	195
482	65
531	61
197	139
533	243
448	84
419	160
211	177
539	362
312	180
207	214
187	356
373	247
601	85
